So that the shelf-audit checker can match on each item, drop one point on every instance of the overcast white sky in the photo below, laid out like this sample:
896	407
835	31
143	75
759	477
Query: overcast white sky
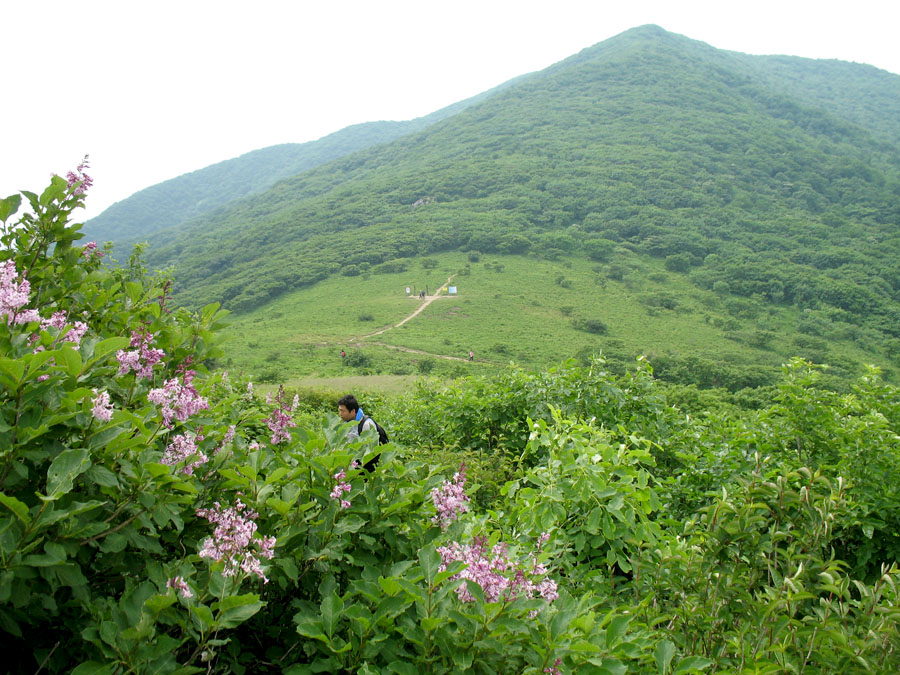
152	90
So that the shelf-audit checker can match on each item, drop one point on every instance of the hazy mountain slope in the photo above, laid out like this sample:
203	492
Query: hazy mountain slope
174	201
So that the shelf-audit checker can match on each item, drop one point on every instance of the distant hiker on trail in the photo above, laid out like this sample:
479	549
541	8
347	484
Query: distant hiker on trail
343	355
349	411
471	355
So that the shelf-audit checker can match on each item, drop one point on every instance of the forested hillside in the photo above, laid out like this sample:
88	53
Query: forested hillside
174	201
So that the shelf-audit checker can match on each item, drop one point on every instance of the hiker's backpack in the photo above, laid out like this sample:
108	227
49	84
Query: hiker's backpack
382	434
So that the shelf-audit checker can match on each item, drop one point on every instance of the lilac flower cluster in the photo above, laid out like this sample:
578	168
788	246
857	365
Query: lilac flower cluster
141	358
232	541
79	178
102	408
500	577
180	585
178	401
59	321
280	420
91	252
183	448
450	499
14	294
340	488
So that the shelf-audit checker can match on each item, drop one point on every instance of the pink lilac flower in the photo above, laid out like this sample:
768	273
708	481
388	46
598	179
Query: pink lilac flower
543	539
340	488
142	358
500	577
79	178
280	420
59	321
249	389
91	252
102	409
554	669
14	294
177	400
253	446
183	448
233	542
450	499
180	585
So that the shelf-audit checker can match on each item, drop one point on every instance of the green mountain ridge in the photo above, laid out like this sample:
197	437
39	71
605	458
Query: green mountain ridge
743	174
170	203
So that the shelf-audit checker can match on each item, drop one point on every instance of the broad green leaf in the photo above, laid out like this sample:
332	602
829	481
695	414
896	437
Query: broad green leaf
72	360
102	476
9	206
53	191
663	654
332	606
65	468
107	346
135	291
54	554
17	507
13	368
389	585
616	629
235	609
203	616
560	623
691	663
430	560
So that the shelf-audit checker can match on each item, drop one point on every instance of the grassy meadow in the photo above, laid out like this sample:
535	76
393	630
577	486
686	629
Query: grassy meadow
517	309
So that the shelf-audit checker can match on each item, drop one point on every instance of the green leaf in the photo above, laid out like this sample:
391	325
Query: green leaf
691	663
9	206
663	654
17	507
54	554
65	468
204	616
389	585
430	560
107	346
560	623
53	191
72	359
616	630
235	609
135	291
15	369
102	476
332	606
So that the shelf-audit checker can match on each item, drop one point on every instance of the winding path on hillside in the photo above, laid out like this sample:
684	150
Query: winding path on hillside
358	342
409	350
428	300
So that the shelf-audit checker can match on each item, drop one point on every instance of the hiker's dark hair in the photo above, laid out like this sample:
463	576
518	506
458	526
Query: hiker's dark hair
349	402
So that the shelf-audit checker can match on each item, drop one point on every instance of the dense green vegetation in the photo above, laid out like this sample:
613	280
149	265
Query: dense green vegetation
156	516
769	181
537	313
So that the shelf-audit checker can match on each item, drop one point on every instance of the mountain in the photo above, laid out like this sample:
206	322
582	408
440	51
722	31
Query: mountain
771	182
170	203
